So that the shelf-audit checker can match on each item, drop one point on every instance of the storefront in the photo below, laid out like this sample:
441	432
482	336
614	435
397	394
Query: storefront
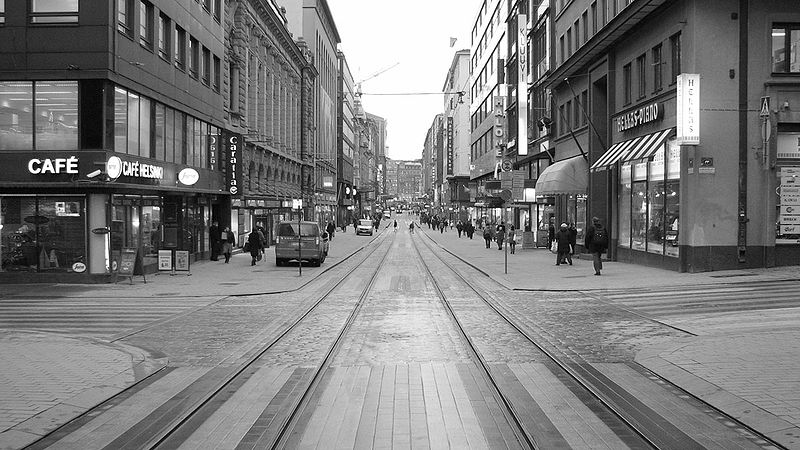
66	216
561	197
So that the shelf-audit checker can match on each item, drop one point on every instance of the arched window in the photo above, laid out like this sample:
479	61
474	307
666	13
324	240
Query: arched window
262	182
252	175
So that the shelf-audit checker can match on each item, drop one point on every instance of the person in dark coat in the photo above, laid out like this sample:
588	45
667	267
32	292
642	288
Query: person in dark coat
595	235
573	237
255	244
512	239
487	236
213	239
500	235
228	241
331	228
551	234
562	253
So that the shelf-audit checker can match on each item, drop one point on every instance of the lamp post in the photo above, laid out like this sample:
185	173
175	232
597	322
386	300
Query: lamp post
298	205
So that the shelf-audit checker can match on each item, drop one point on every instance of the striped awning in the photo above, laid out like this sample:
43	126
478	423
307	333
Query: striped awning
636	148
649	145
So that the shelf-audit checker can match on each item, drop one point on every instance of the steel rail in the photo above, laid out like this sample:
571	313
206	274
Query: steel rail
162	438
509	411
562	365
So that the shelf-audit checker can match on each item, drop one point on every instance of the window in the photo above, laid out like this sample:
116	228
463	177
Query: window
120	120
164	36
675	46
146	24
194	57
16	115
206	66
626	83
159	133
569	42
657	62
133	123
54	11
145	115
604	11
56	115
568	116
180	48
786	48
125	17
217	69
584	106
562	55
217	9
576	117
594	18
207	5
641	73
585	22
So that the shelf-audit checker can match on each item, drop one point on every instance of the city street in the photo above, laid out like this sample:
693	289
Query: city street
405	340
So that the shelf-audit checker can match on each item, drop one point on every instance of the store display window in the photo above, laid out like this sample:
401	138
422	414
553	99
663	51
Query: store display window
624	226
656	232
42	233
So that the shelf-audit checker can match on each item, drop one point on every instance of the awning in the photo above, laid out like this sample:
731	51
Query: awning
570	176
649	145
636	148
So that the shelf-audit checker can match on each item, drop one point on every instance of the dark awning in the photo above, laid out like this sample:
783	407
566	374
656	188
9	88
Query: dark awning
570	176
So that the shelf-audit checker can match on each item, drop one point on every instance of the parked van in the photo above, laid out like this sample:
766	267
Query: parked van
313	243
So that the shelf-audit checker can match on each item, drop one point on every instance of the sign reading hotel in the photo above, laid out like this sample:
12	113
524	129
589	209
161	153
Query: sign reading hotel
522	87
640	116
688	109
233	155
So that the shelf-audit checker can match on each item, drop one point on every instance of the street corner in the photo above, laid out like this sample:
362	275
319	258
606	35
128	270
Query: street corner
50	379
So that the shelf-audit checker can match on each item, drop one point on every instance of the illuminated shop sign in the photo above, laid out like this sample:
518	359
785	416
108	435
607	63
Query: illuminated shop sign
233	174
212	151
116	167
641	116
53	165
188	176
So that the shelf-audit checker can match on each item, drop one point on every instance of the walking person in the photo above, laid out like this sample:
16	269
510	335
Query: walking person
411	227
459	228
512	239
573	237
263	237
500	235
395	225
487	236
214	240
551	234
228	240
562	252
331	229
254	244
596	242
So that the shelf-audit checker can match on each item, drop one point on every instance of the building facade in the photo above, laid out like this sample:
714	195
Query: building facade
345	142
457	135
691	167
434	164
268	102
105	157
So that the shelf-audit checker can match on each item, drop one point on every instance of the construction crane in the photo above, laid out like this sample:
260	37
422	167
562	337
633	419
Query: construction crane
358	84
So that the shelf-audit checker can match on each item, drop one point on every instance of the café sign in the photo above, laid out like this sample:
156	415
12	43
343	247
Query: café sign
68	165
116	167
640	116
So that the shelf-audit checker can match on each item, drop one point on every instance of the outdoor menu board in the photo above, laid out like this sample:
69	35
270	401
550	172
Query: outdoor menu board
165	260
127	262
182	260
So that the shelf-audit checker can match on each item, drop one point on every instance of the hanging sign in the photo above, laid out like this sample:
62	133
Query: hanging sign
522	85
688	109
233	156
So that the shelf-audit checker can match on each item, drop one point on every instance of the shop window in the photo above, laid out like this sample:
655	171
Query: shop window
16	115
786	48
125	17
120	120
151	230
56	115
639	207
42	234
672	198
656	230
133	124
54	11
624	206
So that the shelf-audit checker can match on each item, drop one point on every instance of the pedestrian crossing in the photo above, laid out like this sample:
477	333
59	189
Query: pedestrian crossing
97	317
736	306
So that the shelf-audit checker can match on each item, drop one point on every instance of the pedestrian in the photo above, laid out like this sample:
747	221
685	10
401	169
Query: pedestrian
228	240
562	252
395	225
551	233
459	228
470	229
500	235
214	240
254	246
512	240
344	226
487	236
596	242
263	238
411	227
573	238
331	229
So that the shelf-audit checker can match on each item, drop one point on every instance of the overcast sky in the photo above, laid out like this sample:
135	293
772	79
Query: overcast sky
416	33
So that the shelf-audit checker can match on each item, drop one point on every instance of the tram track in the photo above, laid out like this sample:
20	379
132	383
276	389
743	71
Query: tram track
173	436
619	403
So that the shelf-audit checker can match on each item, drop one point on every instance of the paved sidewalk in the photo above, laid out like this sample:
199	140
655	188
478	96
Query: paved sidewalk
48	379
751	375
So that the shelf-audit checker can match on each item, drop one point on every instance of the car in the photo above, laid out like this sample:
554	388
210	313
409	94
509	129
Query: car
313	243
364	227
387	214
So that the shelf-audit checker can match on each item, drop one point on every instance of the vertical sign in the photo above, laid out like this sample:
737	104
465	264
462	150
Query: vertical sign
522	87
212	151
688	109
449	145
233	156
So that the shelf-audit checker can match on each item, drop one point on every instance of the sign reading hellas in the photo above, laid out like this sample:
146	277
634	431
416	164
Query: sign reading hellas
688	109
